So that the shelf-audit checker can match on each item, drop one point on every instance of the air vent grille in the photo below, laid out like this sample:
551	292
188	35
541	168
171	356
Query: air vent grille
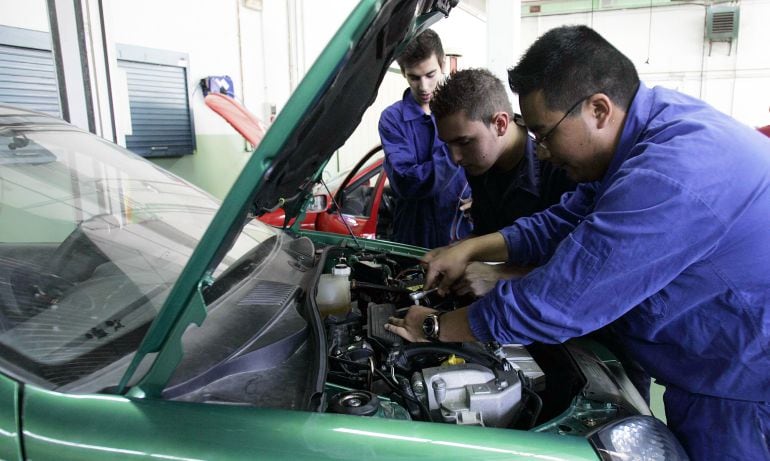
268	293
722	23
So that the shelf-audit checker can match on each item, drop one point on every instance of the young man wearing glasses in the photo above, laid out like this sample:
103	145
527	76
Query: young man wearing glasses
668	241
476	121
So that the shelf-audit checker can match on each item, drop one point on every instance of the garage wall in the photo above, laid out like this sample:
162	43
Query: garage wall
29	14
667	45
210	38
266	46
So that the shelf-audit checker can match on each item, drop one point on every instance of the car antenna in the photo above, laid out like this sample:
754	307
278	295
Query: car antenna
342	218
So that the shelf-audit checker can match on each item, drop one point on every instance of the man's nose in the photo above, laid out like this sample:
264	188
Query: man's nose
454	152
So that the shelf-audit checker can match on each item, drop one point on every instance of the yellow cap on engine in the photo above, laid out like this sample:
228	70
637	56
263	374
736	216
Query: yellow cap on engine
453	360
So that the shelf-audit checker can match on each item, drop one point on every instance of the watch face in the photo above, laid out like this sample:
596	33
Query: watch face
429	326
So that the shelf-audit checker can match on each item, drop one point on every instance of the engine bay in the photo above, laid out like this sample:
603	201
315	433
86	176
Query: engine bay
325	349
373	372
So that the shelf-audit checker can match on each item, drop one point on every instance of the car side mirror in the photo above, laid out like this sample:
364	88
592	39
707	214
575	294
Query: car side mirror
319	203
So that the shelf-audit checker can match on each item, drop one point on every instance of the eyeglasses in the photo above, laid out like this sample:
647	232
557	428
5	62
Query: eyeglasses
539	142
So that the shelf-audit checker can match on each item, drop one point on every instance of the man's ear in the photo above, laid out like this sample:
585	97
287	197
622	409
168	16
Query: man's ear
501	121
441	64
602	109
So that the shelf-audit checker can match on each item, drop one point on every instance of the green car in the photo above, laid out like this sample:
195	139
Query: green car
141	318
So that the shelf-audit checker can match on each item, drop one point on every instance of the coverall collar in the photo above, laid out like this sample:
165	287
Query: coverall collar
527	170
636	122
412	110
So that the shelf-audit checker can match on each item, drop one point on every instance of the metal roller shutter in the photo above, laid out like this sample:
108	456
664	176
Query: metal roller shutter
28	74
160	112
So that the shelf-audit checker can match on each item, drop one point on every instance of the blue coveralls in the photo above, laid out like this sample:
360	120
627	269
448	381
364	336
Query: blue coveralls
426	183
673	245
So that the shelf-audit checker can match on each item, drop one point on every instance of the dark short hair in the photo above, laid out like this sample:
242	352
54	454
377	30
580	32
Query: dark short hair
477	92
421	48
573	62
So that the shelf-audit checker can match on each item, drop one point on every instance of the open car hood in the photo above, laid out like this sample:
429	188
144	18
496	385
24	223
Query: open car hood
318	118
341	97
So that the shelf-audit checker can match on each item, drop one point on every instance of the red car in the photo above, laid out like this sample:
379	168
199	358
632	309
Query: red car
361	203
361	194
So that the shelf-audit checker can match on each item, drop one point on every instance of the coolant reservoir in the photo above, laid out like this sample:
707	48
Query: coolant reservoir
333	295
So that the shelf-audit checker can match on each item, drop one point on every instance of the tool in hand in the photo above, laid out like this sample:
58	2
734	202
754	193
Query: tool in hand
418	295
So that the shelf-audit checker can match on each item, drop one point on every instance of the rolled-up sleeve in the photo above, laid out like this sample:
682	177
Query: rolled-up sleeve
644	231
532	240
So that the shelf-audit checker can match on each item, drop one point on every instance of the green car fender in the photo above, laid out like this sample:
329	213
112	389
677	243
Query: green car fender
62	427
9	419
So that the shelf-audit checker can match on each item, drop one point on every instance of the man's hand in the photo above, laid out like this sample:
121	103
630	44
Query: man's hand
465	205
480	278
445	266
410	327
454	325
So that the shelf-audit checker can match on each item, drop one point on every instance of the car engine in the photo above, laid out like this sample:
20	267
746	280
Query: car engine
373	372
321	345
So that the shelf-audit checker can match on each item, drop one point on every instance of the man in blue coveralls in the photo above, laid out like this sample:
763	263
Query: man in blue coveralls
426	184
668	239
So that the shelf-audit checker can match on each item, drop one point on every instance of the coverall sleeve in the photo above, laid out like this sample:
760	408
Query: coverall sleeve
533	239
645	231
409	177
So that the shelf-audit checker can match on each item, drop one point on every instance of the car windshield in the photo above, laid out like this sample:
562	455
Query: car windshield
92	238
336	181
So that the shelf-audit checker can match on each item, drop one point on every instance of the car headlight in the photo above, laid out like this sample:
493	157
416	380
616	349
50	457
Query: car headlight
637	438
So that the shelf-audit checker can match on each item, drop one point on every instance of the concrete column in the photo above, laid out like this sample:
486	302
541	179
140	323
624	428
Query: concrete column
68	40
503	38
101	62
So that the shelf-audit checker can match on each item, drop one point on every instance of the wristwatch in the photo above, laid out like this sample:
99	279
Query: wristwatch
430	326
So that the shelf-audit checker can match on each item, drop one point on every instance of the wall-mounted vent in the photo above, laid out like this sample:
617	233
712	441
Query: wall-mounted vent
722	23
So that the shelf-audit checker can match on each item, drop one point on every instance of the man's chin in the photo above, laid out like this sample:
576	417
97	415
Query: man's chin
475	171
580	176
417	97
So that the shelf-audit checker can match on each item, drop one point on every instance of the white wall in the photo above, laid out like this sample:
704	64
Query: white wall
209	35
751	93
464	32
267	50
667	46
29	14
